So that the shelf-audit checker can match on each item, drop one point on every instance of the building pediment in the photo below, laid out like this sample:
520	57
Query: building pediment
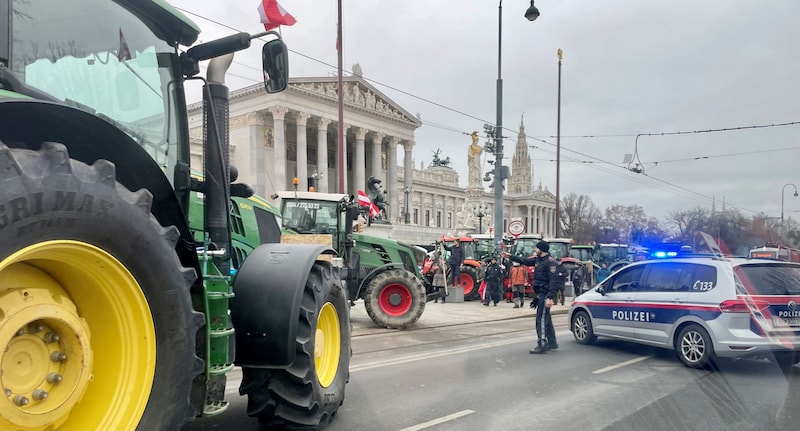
358	95
544	195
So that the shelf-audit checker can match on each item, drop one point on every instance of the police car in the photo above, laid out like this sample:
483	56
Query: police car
702	307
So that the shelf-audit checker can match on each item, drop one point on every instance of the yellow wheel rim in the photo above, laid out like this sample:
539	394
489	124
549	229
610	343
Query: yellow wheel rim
78	340
327	345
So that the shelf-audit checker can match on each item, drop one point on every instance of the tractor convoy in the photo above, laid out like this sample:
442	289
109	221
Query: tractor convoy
131	287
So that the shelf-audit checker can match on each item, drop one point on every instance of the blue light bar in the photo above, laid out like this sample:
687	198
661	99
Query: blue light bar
664	254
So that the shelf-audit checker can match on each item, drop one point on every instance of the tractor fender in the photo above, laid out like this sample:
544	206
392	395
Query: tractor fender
374	273
268	288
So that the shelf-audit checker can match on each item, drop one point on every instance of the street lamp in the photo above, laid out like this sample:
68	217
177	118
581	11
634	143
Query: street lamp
407	191
558	148
316	175
531	14
480	211
783	190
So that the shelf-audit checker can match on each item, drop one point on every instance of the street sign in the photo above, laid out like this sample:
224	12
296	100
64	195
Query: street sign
516	228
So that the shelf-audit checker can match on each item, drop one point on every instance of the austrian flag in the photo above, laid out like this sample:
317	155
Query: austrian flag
274	15
364	201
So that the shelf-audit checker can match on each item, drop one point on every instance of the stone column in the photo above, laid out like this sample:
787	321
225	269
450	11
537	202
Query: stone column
537	224
255	128
532	212
377	165
322	154
408	164
279	155
359	161
391	180
302	150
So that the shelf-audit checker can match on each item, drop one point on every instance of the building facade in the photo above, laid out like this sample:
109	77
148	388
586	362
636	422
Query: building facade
293	134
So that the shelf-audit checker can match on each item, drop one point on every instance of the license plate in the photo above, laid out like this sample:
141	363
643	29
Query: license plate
785	322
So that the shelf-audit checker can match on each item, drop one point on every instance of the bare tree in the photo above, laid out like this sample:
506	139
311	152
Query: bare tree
580	217
626	219
689	222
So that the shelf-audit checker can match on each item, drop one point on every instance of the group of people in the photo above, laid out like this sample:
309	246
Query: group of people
548	282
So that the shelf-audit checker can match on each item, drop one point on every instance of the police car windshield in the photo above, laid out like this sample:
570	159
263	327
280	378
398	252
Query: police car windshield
769	279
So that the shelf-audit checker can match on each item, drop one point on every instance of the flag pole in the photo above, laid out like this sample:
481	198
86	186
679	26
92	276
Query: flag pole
341	165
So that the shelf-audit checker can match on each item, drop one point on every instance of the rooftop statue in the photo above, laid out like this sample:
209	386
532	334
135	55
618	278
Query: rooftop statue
445	163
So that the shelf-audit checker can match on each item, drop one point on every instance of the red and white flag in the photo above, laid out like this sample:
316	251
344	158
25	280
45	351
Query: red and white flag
274	15
364	201
124	52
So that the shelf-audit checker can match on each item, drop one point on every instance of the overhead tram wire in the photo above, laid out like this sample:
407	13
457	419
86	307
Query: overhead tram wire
646	181
592	164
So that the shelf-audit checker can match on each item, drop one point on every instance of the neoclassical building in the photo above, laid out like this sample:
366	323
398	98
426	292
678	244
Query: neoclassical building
277	137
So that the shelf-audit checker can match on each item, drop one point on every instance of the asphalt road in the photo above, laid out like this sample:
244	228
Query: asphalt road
450	374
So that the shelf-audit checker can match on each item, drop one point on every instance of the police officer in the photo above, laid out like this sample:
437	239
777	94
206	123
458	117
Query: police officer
545	285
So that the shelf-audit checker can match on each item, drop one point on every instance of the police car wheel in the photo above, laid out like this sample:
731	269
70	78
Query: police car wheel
582	328
694	347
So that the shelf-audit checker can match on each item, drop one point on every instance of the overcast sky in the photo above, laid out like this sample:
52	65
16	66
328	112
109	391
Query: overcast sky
629	67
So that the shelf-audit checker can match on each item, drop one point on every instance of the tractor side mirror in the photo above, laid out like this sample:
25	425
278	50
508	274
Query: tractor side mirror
275	64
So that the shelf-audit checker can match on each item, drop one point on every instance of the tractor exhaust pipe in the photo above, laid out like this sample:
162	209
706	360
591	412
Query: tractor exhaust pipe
216	160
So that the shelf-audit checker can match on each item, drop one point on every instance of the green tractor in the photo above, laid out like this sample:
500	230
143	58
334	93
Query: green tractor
129	289
383	272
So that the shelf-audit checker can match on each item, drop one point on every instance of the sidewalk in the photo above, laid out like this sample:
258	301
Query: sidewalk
451	313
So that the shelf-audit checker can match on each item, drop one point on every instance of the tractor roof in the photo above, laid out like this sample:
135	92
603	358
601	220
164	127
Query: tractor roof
330	197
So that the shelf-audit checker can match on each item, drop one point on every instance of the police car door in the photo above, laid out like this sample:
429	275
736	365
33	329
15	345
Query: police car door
661	300
612	312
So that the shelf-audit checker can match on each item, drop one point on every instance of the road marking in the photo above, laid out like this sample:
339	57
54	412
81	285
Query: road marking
620	365
438	421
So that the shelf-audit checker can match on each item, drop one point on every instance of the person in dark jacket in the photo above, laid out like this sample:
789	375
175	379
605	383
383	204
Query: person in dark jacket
455	261
494	282
578	278
545	285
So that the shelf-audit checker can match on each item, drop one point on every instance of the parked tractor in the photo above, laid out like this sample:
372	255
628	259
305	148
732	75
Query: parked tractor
585	254
120	310
471	269
383	272
614	255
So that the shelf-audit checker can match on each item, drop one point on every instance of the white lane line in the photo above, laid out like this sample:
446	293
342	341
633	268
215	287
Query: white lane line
620	365
438	421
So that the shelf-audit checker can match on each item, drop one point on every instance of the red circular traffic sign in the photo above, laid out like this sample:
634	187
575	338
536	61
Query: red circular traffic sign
516	228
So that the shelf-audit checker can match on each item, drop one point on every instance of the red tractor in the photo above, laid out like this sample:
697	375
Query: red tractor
471	269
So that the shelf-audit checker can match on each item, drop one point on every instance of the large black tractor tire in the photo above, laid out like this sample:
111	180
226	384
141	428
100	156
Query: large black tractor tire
395	299
97	329
469	282
308	393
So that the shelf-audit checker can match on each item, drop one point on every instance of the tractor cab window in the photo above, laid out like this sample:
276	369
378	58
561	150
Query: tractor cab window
525	247
96	56
310	216
559	250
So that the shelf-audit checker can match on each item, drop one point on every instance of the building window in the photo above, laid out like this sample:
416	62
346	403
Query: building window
427	217
416	216
438	219
449	220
